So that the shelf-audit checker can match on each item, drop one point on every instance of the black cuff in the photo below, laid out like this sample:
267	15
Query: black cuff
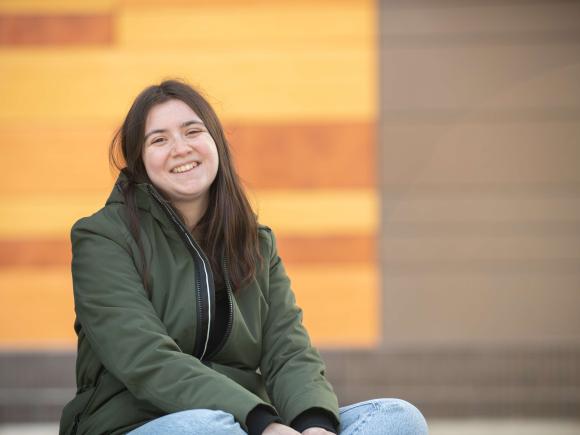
259	418
315	417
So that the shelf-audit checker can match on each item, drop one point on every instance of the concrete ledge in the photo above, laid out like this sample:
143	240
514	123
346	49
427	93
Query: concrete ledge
539	382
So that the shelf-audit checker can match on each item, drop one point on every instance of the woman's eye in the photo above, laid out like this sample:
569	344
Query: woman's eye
158	140
190	132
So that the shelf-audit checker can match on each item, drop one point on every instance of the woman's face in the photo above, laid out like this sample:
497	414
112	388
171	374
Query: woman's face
179	154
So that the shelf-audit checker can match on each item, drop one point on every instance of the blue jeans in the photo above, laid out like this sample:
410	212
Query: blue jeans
373	417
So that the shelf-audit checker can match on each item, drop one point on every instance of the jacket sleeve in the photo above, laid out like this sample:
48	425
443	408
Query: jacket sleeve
293	370
130	339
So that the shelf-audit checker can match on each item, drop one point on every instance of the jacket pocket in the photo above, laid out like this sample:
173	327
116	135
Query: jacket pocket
247	378
73	411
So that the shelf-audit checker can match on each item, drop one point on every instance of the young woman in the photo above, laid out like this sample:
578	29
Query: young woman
186	321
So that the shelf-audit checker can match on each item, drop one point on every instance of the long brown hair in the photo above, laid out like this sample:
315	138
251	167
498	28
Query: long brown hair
229	225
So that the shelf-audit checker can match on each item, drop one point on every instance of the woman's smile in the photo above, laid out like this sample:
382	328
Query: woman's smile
185	167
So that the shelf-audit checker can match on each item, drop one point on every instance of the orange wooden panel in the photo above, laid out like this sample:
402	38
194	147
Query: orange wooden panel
340	304
53	29
42	253
285	155
37	305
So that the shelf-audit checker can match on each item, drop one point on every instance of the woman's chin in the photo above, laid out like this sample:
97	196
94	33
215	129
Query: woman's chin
188	195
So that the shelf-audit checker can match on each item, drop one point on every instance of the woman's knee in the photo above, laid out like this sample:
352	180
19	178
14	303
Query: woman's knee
402	417
213	422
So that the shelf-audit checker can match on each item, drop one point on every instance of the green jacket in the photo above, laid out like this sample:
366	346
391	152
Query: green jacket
142	357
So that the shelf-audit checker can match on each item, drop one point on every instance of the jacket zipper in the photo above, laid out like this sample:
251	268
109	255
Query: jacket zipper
229	293
203	286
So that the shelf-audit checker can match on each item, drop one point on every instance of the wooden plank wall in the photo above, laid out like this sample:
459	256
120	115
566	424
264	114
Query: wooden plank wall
294	82
480	174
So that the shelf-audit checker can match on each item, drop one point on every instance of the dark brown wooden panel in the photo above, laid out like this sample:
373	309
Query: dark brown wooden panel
49	30
33	252
456	22
269	156
320	155
295	250
337	249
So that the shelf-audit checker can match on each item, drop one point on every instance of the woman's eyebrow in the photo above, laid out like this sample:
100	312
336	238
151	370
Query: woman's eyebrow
162	130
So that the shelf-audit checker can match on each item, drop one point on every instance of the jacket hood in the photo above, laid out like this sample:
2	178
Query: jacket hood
142	190
144	198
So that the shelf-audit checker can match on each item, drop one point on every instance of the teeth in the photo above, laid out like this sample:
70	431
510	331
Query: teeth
185	168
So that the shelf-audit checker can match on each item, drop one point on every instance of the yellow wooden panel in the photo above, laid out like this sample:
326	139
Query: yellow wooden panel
318	212
45	215
250	27
49	158
340	305
89	84
56	6
298	212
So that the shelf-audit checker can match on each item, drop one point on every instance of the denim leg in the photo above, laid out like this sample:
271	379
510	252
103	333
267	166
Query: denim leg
382	417
192	422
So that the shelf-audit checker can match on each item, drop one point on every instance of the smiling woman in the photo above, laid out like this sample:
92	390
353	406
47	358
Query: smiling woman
186	320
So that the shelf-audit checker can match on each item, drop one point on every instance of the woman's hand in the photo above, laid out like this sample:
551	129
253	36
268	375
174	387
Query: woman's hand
279	429
316	431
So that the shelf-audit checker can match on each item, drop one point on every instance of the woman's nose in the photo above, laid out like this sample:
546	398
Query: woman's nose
181	146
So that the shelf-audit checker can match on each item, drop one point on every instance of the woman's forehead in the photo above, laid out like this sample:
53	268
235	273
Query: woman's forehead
170	113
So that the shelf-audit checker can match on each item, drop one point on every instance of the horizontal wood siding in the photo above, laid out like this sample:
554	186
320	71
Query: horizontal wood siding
295	86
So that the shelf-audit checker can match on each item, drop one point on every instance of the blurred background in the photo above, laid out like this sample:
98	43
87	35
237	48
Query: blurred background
418	160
